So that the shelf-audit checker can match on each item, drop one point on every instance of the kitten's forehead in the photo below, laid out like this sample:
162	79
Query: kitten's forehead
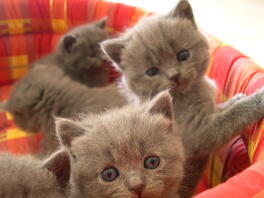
164	34
131	124
123	134
90	32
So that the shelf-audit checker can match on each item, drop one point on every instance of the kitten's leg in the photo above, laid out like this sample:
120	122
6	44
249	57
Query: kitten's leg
230	102
192	173
222	126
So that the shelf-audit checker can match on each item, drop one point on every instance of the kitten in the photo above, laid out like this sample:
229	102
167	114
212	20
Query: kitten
79	55
128	152
45	92
163	52
26	177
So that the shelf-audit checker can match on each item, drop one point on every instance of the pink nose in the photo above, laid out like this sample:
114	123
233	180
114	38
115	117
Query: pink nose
135	183
175	78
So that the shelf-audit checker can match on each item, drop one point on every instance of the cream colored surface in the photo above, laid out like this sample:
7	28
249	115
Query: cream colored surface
239	23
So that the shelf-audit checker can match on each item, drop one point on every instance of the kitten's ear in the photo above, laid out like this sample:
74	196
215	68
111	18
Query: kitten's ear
59	164
68	41
183	10
67	130
101	23
162	104
113	48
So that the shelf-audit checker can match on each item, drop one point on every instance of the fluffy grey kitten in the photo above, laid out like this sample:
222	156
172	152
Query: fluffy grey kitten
45	92
26	177
127	152
169	52
79	55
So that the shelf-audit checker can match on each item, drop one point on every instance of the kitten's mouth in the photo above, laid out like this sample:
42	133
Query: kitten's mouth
179	87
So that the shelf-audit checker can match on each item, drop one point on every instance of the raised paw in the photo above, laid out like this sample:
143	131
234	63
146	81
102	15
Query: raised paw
231	101
258	96
260	92
237	97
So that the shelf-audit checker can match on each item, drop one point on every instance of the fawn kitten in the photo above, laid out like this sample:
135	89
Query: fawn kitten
128	152
45	91
26	177
169	52
79	55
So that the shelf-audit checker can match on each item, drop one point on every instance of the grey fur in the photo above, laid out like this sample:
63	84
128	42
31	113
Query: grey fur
46	91
155	42
27	177
123	138
79	55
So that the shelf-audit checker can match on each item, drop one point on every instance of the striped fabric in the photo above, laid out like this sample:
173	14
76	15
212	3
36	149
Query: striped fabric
30	29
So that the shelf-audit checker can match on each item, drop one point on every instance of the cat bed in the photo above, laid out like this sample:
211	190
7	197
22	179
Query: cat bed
30	29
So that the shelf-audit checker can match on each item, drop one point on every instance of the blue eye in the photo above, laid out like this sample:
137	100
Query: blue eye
152	162
183	55
110	174
152	71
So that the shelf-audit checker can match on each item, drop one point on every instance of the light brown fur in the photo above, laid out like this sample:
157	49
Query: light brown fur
123	138
46	92
27	177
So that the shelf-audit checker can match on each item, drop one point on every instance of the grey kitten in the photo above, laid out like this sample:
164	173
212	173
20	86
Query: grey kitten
45	92
169	52
26	177
127	152
79	55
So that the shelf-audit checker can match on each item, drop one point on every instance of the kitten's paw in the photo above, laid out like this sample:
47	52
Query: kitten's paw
238	97
231	101
259	95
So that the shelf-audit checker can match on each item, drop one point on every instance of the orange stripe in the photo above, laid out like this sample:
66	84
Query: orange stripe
101	10
59	15
138	13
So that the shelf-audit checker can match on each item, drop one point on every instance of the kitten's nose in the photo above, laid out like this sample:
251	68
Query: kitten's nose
136	184
175	77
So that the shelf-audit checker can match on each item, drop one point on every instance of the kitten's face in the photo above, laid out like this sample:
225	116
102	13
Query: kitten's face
164	54
84	40
160	52
127	153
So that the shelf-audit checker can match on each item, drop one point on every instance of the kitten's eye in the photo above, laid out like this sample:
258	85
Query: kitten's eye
152	71
110	174
152	162
183	55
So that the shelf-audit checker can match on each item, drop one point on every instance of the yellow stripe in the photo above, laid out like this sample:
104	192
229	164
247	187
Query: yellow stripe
21	60
252	146
250	149
14	21
15	26
15	134
59	25
216	170
9	116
